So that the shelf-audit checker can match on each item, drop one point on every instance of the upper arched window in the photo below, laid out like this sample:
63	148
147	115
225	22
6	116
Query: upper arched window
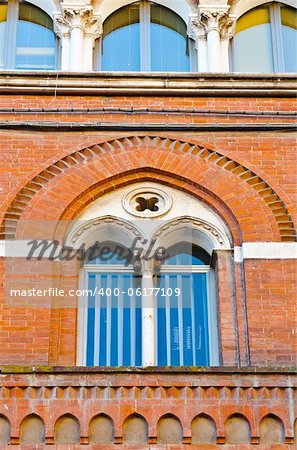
145	36
27	40
266	40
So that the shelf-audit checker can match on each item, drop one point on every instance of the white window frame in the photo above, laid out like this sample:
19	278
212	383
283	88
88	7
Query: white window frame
174	269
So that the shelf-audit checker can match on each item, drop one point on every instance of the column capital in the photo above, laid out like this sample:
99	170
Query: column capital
196	29
77	16
212	16
228	26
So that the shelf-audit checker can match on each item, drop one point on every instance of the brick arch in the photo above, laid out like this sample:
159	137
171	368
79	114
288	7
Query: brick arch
277	207
147	174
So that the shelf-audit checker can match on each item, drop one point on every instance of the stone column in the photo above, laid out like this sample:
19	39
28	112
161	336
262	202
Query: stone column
62	30
148	315
210	17
227	31
197	32
93	30
78	28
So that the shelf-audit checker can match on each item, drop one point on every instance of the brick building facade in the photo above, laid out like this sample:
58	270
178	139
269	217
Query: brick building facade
217	152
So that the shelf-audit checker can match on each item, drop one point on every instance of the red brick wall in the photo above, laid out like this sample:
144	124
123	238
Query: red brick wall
41	336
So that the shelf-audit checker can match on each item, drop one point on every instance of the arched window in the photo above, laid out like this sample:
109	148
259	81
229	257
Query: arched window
145	36
147	288
182	331
185	316
27	40
113	319
266	40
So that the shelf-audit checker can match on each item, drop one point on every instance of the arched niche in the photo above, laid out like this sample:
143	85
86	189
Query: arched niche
272	430
237	430
67	430
32	430
189	230
203	430
135	430
109	228
101	430
169	430
5	430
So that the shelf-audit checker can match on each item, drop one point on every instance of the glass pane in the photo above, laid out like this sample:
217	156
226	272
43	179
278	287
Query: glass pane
113	320
33	14
3	15
36	47
121	40
289	35
252	50
256	16
182	321
252	44
109	254
169	48
187	255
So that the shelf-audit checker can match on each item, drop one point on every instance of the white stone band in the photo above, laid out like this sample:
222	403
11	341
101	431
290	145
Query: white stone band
265	250
248	250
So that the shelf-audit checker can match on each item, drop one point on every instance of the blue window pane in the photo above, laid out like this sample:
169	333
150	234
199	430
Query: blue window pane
121	49
168	50
252	50
184	259
289	36
91	322
114	321
2	44
188	299
182	322
201	319
35	47
119	256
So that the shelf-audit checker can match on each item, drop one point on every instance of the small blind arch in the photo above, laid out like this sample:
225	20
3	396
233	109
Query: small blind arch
67	430
272	430
135	430
203	429
5	430
237	429
101	430
169	430
32	430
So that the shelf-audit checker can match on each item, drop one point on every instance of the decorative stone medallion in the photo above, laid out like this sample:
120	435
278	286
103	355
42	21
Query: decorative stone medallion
147	202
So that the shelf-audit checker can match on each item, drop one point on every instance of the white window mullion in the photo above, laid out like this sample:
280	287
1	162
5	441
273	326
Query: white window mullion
132	301
120	308
108	322
180	326
98	282
145	38
276	36
192	293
